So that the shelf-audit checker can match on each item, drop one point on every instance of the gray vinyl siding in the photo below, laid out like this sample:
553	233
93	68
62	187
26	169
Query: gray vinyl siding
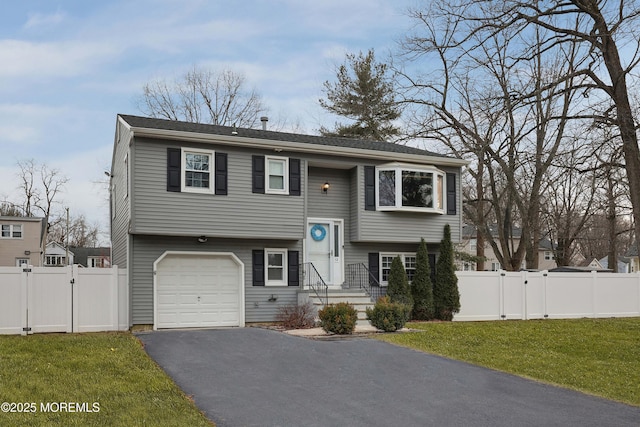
240	214
147	249
119	198
399	226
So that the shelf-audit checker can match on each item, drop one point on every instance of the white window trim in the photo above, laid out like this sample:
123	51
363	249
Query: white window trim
268	190
12	231
402	256
22	264
183	171
439	193
283	252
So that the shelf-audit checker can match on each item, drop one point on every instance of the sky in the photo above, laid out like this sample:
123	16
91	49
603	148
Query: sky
67	68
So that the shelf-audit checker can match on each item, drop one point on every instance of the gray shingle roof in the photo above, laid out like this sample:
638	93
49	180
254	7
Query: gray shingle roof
152	123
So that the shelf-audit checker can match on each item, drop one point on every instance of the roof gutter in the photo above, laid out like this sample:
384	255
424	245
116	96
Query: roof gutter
270	144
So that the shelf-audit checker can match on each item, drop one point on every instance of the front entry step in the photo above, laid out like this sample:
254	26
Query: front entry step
356	297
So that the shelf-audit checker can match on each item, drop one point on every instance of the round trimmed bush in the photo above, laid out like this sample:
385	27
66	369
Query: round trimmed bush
389	316
338	318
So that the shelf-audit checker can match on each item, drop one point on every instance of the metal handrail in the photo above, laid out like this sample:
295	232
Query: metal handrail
359	276
311	279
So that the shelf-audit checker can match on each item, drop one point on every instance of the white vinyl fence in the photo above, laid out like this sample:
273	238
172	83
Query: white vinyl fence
63	299
495	295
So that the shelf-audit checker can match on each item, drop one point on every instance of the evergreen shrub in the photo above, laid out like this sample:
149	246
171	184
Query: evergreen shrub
389	316
338	318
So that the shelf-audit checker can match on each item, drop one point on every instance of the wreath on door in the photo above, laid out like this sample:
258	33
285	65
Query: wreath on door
318	232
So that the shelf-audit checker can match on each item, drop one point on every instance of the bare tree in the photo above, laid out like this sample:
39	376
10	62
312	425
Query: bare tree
473	108
81	232
204	96
40	186
595	30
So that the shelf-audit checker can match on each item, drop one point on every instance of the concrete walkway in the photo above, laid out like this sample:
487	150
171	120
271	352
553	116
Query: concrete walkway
260	377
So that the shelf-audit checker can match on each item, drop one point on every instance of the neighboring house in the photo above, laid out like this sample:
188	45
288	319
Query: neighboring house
632	256
55	255
469	245
216	224
21	241
91	257
624	264
593	265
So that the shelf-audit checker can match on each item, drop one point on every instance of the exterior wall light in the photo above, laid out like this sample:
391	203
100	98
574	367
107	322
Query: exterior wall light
325	187
202	239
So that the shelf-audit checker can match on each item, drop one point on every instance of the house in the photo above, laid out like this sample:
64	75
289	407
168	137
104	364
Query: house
469	245
624	264
92	257
632	256
55	255
21	241
218	226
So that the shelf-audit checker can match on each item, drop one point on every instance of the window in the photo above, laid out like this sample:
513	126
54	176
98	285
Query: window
408	260
405	187
473	244
548	255
277	175
97	261
276	263
495	266
196	175
468	266
55	260
11	231
22	262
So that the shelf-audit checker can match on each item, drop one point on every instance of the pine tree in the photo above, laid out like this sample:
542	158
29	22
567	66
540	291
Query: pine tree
446	297
398	289
365	95
421	286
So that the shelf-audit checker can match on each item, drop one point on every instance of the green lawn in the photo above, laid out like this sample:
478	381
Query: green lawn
108	369
595	356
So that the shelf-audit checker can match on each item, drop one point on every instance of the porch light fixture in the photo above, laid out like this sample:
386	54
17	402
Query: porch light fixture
202	239
325	187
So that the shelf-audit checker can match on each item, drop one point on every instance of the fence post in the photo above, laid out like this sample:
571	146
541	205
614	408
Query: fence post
115	299
501	274
545	274
73	309
524	279
594	293
24	299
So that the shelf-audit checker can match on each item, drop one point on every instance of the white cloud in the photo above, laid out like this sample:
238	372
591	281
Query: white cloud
42	61
39	20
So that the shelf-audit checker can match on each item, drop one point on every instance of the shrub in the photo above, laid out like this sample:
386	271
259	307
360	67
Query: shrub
296	316
421	287
338	318
388	316
446	296
398	289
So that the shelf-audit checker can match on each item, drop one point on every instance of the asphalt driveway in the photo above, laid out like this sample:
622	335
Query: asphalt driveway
259	377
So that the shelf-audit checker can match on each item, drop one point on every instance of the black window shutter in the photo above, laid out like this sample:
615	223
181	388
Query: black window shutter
174	160
293	272
374	265
370	188
258	267
221	174
451	194
258	174
294	177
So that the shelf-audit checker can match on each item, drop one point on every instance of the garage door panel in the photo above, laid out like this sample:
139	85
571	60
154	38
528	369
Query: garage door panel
198	291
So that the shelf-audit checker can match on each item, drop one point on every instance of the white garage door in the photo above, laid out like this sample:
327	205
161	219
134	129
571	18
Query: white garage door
198	290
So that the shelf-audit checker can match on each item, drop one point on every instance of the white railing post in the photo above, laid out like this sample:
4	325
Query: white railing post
501	274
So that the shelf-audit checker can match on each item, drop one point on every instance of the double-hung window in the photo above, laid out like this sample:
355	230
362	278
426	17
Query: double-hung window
276	265
408	260
11	231
277	175
410	188
196	171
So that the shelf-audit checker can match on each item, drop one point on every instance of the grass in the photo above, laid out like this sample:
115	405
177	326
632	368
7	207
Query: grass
595	356
110	369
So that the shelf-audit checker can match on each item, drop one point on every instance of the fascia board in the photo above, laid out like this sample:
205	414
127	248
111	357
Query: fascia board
270	144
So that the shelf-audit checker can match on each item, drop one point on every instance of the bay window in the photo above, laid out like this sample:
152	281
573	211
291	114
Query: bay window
410	188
